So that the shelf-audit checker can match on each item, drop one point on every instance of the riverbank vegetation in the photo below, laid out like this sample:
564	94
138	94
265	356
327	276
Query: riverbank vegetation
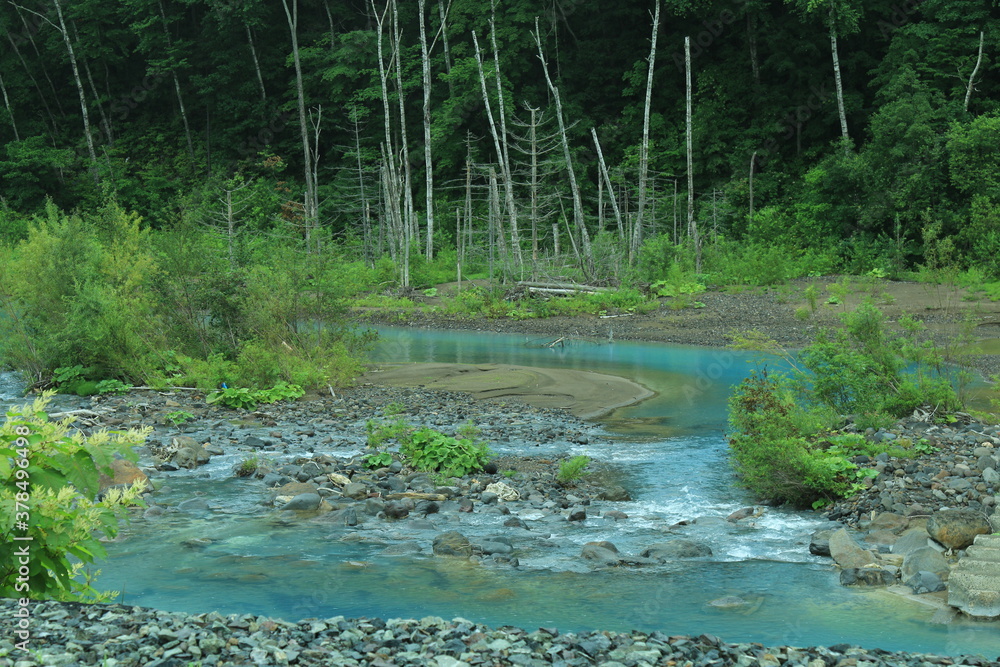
522	147
787	428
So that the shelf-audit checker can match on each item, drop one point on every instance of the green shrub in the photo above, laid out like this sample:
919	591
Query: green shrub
243	398
47	503
570	470
178	417
432	451
248	466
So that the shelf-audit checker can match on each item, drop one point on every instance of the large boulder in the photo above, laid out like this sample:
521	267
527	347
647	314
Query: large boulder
452	543
123	473
848	554
819	543
604	553
614	493
956	529
927	559
679	548
303	502
911	540
188	452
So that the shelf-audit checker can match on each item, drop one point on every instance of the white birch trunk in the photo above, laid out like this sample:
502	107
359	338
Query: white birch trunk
425	62
972	77
840	86
607	183
578	217
636	236
10	110
292	16
692	225
83	97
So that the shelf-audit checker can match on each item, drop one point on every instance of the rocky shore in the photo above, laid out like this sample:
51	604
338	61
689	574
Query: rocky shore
126	636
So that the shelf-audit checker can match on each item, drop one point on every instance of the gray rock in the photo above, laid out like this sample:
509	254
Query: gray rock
489	498
926	559
991	476
489	547
355	491
924	582
819	543
577	514
866	576
679	548
303	502
402	549
911	540
847	552
956	529
599	554
614	493
452	543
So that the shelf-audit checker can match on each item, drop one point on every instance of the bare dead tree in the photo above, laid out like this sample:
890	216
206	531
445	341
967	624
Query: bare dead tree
636	236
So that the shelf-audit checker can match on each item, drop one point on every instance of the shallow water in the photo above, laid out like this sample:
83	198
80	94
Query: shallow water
236	556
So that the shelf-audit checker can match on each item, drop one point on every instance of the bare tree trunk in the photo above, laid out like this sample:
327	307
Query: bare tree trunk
636	237
390	173
425	62
515	233
80	92
578	217
310	209
408	212
753	159
752	39
93	90
692	226
177	88
607	183
498	141
972	77
533	142
837	80
10	111
447	49
256	62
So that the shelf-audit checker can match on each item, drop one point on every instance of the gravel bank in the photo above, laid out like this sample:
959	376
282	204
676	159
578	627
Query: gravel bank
126	636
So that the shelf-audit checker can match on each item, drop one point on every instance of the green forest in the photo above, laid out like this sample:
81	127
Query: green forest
197	186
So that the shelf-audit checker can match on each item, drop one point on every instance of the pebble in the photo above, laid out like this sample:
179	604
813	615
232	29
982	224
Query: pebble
128	636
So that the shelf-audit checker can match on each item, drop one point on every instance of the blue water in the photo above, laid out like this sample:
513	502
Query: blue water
241	557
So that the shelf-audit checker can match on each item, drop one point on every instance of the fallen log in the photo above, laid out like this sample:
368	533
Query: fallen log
416	496
567	288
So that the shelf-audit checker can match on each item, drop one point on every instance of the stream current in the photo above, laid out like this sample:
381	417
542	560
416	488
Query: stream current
672	456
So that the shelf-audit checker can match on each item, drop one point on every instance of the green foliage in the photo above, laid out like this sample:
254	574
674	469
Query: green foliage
432	451
248	466
113	387
571	470
677	283
178	417
50	480
243	398
781	441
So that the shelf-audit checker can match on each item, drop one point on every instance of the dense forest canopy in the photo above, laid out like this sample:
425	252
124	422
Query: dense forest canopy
294	109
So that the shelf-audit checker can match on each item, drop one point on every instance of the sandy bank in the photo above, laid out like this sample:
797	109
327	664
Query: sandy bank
584	394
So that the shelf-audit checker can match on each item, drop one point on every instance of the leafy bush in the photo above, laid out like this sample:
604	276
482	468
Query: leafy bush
47	502
570	470
243	398
432	451
178	417
113	387
781	441
771	451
